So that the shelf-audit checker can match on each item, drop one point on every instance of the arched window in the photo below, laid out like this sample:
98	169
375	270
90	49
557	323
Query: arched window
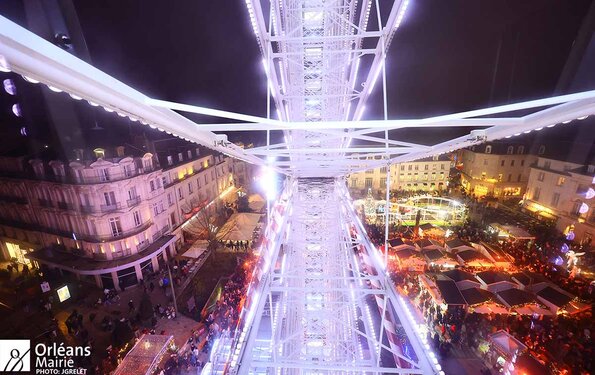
9	86
509	150
488	149
521	150
541	150
16	109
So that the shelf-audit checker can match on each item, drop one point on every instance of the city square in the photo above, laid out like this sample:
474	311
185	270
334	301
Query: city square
297	187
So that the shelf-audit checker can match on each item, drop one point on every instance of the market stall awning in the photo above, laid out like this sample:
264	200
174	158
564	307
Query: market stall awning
554	296
198	248
459	275
512	231
533	309
449	292
256	202
239	227
474	296
506	343
515	297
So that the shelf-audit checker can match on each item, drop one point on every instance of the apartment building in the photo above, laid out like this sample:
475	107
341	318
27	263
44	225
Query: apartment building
499	169
429	174
563	191
106	220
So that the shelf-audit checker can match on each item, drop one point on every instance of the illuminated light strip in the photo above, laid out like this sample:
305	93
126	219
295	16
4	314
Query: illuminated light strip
401	14
376	75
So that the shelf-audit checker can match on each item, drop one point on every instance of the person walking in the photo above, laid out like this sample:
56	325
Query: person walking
130	306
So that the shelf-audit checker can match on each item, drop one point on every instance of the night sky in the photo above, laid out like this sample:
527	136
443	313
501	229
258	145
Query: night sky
443	58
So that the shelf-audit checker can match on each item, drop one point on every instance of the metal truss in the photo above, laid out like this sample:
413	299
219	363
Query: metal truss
313	56
320	300
326	304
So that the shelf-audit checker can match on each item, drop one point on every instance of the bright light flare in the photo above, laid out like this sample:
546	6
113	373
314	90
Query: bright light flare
268	181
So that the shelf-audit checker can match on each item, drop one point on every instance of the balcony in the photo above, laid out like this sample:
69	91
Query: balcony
11	199
65	206
134	201
121	254
88	209
110	207
84	180
45	203
162	232
118	236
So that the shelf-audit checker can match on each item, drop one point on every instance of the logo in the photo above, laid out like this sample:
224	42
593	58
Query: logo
15	356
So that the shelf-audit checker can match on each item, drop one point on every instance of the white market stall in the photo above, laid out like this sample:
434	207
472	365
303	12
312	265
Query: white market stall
145	356
256	202
197	249
239	227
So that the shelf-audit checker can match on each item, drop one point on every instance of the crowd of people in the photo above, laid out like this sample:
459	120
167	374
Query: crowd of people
563	343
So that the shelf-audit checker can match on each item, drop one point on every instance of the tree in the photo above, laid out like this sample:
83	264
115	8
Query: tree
122	333
208	225
145	310
244	204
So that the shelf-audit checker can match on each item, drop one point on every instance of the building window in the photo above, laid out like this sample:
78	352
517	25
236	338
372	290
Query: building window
501	163
541	150
170	160
488	149
518	179
189	188
152	185
509	150
442	167
402	167
110	198
555	199
540	176
170	200
128	172
103	174
382	183
512	163
416	167
370	171
115	226
197	151
9	86
137	219
561	181
536	193
520	150
409	167
509	177
368	182
189	154
180	195
500	177
576	208
180	156
354	182
383	170
485	161
547	164
523	163
426	167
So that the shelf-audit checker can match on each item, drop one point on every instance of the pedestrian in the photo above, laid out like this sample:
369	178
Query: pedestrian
130	306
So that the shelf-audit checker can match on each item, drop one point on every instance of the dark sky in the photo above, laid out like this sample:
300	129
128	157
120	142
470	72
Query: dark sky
442	59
